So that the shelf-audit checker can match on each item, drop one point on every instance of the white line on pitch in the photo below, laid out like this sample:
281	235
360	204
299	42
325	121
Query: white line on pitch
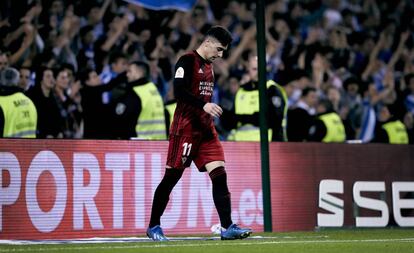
213	243
95	240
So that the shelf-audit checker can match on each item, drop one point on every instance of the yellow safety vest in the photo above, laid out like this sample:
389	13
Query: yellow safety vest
397	133
171	109
335	130
20	116
151	121
247	103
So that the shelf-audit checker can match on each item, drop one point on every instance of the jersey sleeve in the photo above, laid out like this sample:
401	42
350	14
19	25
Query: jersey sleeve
183	80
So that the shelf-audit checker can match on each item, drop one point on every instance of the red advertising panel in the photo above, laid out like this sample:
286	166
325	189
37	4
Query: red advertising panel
341	185
74	189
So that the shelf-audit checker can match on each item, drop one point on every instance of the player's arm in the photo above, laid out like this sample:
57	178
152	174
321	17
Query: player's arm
182	82
182	87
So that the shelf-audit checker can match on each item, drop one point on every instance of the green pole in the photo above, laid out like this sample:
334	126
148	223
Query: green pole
264	143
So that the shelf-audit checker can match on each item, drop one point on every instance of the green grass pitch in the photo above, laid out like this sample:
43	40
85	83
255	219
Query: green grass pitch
332	241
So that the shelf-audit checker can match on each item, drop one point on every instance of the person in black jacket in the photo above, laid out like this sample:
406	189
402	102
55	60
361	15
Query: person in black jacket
94	110
50	121
97	100
300	117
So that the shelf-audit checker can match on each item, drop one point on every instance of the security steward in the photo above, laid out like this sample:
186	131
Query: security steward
18	115
139	113
328	125
390	129
245	114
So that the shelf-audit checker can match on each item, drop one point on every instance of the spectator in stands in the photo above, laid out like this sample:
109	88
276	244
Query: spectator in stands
329	41
19	44
117	64
160	65
69	109
93	16
95	112
4	60
18	115
300	117
50	121
86	54
110	60
25	81
294	81
352	107
328	126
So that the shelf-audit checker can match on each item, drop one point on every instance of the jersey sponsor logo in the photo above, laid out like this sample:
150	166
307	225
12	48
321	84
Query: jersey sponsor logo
179	73
200	71
206	88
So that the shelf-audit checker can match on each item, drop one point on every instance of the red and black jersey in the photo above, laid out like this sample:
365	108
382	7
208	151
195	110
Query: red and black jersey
193	88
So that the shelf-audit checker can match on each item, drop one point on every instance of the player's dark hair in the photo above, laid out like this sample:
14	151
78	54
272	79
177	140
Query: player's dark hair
221	34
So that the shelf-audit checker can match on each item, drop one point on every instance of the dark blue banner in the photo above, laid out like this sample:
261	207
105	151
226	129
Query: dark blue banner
182	5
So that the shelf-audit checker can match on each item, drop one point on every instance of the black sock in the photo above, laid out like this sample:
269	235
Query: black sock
221	196
162	194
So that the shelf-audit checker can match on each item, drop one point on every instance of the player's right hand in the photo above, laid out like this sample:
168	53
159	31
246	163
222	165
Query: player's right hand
213	109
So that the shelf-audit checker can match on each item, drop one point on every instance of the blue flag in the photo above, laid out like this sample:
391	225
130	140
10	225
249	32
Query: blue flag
182	5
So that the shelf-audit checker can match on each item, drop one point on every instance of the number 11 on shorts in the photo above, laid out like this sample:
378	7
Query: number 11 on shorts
186	149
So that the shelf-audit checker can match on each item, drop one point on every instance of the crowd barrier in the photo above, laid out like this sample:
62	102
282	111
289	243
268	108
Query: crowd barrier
82	188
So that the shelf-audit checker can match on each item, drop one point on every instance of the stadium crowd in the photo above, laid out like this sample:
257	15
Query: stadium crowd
354	58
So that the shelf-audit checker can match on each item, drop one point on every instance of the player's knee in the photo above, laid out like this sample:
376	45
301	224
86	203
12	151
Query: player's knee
213	165
173	174
217	172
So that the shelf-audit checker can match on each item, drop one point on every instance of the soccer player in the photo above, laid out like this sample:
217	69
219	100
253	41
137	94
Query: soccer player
193	136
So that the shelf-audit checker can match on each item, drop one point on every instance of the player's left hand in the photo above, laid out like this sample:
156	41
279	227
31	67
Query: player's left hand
213	109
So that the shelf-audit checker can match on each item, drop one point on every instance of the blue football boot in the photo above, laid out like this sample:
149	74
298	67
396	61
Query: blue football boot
235	232
155	233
